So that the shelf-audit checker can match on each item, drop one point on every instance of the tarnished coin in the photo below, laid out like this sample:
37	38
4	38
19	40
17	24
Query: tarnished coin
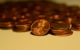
40	27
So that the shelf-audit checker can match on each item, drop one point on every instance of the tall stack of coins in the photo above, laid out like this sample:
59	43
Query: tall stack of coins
41	17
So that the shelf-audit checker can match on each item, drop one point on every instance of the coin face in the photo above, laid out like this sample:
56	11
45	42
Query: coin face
40	27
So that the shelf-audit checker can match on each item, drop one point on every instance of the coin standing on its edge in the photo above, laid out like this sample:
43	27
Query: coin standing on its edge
40	27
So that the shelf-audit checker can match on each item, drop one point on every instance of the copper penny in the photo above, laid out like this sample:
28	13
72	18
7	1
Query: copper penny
40	27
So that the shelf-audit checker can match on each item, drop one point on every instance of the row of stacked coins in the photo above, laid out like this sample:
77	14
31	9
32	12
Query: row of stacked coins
40	17
43	26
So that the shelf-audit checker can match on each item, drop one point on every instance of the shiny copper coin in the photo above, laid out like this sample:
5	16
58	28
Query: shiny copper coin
40	27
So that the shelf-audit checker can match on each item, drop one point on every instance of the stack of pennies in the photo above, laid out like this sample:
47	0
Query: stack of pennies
18	27
6	25
60	28
22	25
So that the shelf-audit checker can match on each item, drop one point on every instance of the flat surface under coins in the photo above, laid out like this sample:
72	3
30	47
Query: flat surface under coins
10	40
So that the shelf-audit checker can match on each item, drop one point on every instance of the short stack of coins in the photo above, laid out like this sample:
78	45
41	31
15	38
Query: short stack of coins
60	28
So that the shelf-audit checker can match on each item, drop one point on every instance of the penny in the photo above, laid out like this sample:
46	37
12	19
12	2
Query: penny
40	27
